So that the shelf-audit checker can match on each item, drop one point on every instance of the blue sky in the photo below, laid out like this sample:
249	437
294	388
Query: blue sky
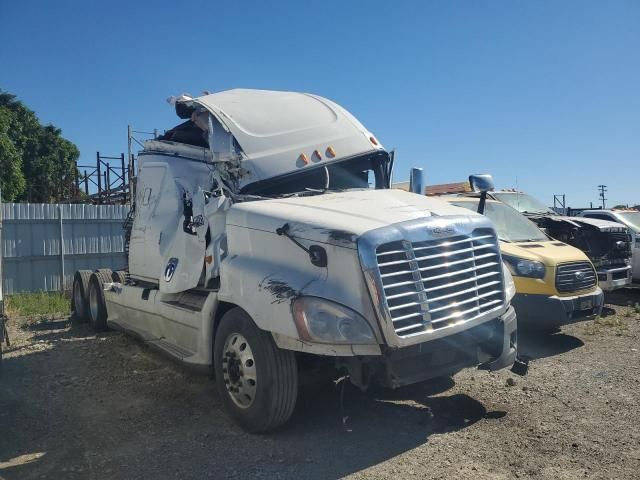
544	95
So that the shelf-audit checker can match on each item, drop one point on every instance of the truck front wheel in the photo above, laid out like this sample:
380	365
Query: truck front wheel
258	382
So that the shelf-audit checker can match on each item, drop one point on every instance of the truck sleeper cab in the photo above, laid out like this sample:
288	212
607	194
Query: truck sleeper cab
555	283
265	236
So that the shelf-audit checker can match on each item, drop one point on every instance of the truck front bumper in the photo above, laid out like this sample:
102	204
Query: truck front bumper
491	345
610	279
553	311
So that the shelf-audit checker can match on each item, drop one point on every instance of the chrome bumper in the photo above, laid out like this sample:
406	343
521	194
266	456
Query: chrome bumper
610	279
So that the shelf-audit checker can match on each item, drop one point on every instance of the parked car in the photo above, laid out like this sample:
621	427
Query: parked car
555	282
629	218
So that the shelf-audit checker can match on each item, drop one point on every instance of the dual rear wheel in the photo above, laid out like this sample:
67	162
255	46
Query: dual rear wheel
87	297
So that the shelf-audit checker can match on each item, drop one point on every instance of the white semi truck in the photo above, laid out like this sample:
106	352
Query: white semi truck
265	238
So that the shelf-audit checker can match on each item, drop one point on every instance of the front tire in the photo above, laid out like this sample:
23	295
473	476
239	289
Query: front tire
258	382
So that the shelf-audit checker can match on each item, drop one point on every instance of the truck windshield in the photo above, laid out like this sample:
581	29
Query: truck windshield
523	203
511	225
359	172
631	219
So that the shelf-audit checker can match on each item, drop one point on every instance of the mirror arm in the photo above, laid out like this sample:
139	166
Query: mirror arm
481	203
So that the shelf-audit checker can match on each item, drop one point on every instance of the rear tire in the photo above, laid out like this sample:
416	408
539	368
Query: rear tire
258	382
105	272
80	296
119	276
96	304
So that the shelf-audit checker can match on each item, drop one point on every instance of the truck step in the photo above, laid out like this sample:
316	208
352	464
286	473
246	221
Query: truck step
171	349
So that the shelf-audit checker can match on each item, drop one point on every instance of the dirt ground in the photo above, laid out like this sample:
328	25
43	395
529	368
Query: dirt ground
77	405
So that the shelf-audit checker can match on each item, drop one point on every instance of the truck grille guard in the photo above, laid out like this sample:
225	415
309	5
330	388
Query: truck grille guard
432	277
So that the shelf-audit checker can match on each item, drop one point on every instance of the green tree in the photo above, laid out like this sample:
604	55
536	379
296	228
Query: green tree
12	181
40	164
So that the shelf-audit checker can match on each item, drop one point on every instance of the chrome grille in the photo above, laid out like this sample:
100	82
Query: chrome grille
431	284
575	276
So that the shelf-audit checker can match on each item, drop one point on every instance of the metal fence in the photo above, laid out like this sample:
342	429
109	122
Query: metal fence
42	245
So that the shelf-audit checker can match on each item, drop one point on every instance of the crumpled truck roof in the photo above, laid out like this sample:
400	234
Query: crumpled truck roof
282	132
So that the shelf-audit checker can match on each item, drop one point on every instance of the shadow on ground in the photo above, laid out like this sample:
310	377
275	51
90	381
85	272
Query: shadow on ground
534	345
624	297
108	407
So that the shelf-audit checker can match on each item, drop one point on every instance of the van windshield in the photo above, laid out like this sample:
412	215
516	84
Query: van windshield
356	173
523	203
511	225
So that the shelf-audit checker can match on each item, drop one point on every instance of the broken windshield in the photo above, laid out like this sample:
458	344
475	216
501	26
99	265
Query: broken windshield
523	203
356	173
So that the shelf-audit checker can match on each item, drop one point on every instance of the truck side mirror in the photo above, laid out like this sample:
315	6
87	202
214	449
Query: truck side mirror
416	184
481	183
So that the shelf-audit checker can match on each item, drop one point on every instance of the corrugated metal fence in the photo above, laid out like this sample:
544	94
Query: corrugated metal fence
32	234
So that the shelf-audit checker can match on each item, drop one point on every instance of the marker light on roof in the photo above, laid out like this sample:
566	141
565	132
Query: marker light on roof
330	152
316	154
373	140
303	158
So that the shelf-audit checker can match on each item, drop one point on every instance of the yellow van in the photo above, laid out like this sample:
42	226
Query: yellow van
555	282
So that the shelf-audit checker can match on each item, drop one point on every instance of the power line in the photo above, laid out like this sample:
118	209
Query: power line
603	190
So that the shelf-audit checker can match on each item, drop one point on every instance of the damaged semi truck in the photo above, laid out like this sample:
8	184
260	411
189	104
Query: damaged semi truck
264	240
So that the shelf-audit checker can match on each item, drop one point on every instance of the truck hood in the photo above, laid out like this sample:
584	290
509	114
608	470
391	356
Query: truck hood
601	225
551	253
339	218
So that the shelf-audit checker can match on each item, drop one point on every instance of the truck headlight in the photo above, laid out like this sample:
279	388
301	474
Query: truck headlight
320	320
509	286
524	268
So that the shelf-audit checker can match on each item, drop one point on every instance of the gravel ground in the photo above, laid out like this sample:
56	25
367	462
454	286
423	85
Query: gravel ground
77	405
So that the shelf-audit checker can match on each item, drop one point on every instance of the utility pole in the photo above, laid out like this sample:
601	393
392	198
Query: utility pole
603	190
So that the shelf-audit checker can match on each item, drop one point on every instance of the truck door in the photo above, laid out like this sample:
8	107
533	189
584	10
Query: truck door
183	249
144	255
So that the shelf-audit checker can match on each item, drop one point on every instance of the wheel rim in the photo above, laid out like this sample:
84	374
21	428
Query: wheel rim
239	370
77	298
93	303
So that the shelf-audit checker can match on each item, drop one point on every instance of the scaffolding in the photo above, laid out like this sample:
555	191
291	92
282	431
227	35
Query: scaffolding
111	180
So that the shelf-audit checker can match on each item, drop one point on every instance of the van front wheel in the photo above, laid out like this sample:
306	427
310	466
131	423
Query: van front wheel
258	382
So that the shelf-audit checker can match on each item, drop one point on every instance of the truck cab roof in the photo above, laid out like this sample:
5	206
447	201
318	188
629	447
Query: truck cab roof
277	133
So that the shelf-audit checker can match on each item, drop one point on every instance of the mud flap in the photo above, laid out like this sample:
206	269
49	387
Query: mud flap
520	366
